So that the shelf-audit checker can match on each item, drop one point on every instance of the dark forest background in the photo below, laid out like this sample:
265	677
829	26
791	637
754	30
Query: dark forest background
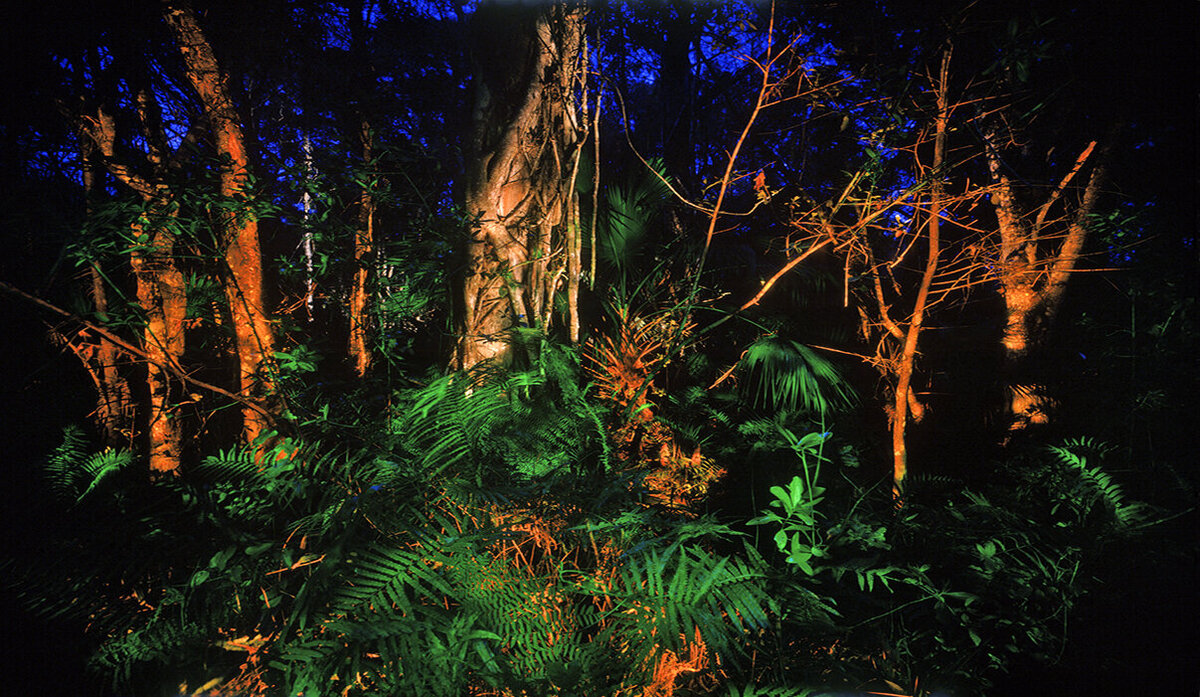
606	348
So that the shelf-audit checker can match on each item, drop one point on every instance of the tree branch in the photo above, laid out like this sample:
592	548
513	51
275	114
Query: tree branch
118	341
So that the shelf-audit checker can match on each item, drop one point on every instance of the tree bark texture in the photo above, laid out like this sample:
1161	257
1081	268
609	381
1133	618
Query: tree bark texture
908	355
519	184
114	407
253	332
1038	252
364	253
159	283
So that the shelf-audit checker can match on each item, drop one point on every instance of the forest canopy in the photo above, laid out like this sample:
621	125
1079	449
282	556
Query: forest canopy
596	348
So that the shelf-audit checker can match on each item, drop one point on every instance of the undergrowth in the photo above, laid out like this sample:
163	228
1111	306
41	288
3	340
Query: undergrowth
488	542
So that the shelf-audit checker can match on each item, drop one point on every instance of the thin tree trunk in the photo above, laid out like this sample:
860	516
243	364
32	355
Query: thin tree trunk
160	287
162	296
115	399
308	238
904	396
253	332
364	252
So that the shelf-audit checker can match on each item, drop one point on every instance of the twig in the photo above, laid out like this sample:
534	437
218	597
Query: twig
118	341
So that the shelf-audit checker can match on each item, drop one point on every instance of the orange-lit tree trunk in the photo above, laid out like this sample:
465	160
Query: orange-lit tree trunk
904	372
253	333
519	182
1037	253
364	252
899	331
162	295
160	288
115	404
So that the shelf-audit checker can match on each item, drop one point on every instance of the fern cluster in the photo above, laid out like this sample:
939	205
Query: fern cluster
490	549
483	540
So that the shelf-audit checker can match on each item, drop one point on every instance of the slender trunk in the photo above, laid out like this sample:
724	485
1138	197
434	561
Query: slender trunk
519	181
253	333
364	252
903	396
162	296
115	404
115	399
308	238
160	289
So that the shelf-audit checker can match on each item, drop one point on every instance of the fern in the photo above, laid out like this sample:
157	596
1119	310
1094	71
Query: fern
160	640
72	474
62	467
384	577
532	423
1099	484
666	599
490	548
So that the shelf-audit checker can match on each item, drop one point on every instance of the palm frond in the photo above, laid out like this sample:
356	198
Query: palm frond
630	207
785	375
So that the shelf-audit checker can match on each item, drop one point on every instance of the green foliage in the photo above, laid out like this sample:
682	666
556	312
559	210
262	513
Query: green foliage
450	562
799	535
785	375
1093	487
626	218
669	597
530	424
965	586
486	543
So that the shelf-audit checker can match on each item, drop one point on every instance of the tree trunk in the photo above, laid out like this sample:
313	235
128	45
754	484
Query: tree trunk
364	252
903	395
253	333
115	403
160	288
519	180
163	297
308	237
359	310
1032	271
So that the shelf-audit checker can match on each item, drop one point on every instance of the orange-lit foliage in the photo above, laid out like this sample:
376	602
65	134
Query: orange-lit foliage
681	478
249	680
671	666
622	365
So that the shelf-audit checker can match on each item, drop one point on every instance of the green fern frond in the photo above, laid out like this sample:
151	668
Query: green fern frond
666	599
234	465
1092	478
72	474
101	467
62	467
383	578
161	640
